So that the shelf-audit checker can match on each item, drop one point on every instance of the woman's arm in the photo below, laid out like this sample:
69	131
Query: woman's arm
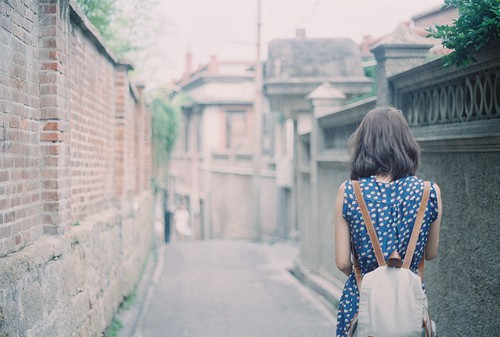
431	249
342	236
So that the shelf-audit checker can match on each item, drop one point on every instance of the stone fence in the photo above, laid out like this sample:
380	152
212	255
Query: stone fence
455	116
75	198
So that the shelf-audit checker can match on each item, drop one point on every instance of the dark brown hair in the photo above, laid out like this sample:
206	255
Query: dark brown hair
383	144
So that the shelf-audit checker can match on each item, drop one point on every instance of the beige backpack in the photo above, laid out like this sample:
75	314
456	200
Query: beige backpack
391	300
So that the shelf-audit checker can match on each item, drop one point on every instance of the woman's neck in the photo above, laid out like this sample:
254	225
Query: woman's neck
383	178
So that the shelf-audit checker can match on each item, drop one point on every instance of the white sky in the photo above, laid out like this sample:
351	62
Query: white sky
227	28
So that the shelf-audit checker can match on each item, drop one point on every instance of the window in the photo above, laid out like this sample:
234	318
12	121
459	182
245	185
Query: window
198	133
236	129
187	131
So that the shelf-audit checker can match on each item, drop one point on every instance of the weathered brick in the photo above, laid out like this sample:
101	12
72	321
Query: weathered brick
51	149
51	136
51	206
50	195
48	77
48	8
50	184
52	229
4	176
10	216
14	202
6	230
4	203
51	65
51	126
48	89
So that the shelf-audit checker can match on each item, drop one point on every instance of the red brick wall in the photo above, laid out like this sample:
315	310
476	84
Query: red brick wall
20	186
92	118
74	133
54	118
125	121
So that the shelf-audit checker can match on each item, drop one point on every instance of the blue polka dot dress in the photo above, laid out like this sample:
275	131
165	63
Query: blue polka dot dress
393	208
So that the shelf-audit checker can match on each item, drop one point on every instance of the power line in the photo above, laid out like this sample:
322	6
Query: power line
306	16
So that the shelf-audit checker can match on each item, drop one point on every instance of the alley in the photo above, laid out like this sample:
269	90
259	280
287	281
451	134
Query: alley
230	288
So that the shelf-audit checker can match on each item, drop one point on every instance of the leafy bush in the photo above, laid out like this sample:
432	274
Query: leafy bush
477	28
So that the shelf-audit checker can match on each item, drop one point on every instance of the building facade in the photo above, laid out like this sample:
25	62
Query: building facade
213	168
301	74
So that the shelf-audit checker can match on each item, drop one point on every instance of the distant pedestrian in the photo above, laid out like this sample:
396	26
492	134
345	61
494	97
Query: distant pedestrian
384	161
182	226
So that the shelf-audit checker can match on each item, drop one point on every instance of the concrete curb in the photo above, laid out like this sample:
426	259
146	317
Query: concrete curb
329	292
130	318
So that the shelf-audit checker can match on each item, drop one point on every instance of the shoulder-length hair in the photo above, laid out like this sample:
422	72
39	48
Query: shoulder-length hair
383	145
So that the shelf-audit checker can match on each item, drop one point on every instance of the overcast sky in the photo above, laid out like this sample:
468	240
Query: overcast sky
227	28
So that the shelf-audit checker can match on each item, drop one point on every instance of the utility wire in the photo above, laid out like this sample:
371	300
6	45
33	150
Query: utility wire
306	16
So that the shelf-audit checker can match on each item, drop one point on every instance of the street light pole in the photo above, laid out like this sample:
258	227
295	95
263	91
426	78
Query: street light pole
257	111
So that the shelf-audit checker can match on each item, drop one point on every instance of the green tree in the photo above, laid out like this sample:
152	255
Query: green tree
100	13
166	117
132	29
135	30
476	29
165	127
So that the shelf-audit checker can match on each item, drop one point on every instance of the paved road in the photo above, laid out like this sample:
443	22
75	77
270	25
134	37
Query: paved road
230	289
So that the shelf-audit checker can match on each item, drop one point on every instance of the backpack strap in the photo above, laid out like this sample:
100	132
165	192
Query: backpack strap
369	224
410	250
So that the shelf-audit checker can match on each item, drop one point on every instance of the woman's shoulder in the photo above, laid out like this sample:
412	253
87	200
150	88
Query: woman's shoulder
413	184
418	182
407	183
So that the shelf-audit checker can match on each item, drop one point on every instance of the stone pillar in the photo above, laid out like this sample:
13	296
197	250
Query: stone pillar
140	123
54	116
121	140
324	100
398	52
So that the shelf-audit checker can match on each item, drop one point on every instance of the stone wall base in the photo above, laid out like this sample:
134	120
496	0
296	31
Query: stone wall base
72	285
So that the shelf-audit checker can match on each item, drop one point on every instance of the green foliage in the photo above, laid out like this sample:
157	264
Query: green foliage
166	116
477	28
165	125
130	300
100	13
370	71
132	29
114	328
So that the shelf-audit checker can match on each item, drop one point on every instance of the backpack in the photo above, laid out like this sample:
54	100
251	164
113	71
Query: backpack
392	302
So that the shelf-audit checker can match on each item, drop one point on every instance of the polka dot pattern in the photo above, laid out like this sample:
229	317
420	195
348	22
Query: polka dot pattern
393	209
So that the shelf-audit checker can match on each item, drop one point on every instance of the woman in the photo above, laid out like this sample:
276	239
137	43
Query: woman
384	158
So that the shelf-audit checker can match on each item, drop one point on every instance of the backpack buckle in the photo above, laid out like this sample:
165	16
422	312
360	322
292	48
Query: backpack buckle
395	260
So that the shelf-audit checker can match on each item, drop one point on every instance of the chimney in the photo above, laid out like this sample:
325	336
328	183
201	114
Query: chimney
300	33
189	63
213	66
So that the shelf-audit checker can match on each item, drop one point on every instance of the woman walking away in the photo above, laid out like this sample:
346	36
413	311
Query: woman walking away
384	161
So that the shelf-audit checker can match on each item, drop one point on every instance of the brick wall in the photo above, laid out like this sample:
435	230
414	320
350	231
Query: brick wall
74	134
125	123
91	126
75	168
20	186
